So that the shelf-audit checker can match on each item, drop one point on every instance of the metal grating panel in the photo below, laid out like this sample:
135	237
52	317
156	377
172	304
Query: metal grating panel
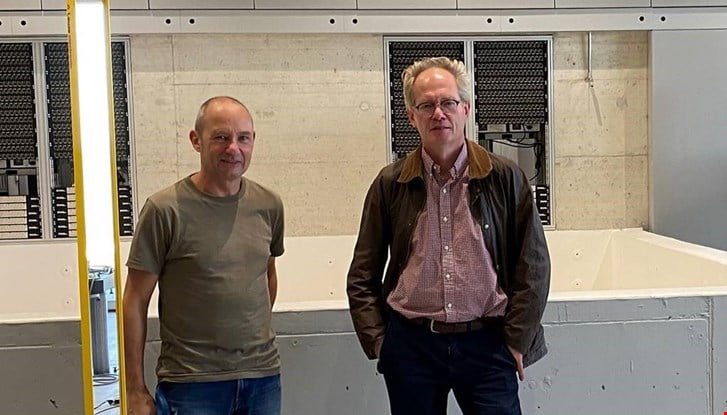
511	82
19	201
511	108
123	142
61	137
404	138
17	100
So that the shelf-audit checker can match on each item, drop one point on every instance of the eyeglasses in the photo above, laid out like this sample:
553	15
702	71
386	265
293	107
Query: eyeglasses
448	106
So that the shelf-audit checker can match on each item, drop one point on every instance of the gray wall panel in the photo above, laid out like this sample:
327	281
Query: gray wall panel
601	3
687	3
329	374
719	355
626	309
647	367
313	322
505	4
40	334
41	380
688	128
637	356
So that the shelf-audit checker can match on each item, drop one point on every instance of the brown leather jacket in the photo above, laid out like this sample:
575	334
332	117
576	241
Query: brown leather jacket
501	201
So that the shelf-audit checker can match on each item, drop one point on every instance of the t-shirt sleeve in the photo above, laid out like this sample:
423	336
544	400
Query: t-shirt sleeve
278	229
150	244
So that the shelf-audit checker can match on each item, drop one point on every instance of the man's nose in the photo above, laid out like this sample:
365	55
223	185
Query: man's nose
438	114
233	147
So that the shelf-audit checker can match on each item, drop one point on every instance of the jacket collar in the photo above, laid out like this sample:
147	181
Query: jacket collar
478	158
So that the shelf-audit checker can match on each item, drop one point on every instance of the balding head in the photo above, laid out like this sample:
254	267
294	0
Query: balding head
199	123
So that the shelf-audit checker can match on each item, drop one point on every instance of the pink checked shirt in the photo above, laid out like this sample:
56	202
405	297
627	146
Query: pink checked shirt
449	275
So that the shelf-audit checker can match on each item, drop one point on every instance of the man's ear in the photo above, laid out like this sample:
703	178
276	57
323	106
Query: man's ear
195	139
410	116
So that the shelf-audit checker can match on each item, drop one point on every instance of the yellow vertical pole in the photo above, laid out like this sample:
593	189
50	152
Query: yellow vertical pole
83	194
117	234
86	362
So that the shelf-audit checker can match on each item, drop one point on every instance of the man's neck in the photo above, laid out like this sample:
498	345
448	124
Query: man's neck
216	188
445	156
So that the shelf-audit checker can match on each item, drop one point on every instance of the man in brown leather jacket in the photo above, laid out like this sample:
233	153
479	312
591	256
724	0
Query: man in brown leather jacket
468	273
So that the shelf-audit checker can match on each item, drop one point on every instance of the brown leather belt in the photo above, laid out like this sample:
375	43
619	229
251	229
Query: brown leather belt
463	327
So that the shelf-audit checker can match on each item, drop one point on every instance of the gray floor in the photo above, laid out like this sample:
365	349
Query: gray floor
106	387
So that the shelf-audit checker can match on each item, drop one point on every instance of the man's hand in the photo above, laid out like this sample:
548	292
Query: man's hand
519	361
141	403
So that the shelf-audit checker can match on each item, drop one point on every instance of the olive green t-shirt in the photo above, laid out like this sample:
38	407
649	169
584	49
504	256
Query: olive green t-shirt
211	256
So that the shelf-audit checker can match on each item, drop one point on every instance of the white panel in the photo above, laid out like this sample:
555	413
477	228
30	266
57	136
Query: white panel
200	4
687	3
20	5
602	3
114	4
39	25
690	18
54	4
420	22
574	20
5	25
128	4
406	4
305	4
505	4
146	22
270	22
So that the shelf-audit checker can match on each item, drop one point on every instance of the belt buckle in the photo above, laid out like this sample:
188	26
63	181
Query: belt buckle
431	327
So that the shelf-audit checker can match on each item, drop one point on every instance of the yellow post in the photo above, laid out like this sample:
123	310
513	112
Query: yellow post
94	152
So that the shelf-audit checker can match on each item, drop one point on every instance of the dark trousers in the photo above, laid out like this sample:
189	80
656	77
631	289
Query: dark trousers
421	367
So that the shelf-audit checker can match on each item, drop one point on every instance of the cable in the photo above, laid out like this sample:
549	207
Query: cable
113	404
103	380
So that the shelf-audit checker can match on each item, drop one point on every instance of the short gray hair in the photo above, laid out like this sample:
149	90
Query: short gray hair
453	66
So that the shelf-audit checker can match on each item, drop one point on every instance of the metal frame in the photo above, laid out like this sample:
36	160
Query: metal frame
470	128
132	137
43	142
449	21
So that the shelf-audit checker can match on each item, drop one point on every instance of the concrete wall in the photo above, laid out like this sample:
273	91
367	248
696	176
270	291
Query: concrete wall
627	356
320	117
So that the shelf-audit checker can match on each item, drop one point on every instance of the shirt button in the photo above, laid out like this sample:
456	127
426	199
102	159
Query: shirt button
449	305
444	191
446	247
487	226
448	276
444	219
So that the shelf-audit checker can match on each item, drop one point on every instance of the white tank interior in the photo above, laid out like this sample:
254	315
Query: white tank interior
587	264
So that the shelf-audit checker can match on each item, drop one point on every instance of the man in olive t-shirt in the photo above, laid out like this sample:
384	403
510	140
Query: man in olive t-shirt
210	241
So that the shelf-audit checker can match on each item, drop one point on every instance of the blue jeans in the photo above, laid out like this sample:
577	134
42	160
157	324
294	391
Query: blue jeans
233	397
421	367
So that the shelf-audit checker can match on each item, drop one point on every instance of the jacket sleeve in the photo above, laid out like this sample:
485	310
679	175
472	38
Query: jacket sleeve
531	277
364	283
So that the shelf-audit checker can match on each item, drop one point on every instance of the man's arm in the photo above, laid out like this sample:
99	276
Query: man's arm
272	280
137	293
365	299
531	281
